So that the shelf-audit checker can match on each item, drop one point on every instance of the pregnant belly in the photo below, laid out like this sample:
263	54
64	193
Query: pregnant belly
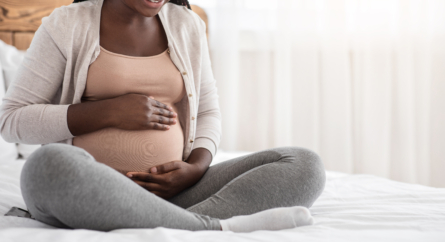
133	150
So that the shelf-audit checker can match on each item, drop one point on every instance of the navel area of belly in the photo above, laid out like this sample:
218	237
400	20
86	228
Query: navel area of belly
133	150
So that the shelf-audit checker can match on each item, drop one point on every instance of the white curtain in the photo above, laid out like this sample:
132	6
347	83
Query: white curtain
361	82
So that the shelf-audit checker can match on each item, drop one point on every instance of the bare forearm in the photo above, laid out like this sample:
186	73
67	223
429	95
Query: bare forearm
88	117
201	158
129	112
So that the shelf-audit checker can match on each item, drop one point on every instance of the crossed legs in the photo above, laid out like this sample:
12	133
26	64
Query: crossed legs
64	186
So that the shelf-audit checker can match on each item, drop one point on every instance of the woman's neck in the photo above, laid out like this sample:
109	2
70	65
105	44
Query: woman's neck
126	31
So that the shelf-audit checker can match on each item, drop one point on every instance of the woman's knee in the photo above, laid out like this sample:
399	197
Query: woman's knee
45	174
51	157
298	155
49	163
308	165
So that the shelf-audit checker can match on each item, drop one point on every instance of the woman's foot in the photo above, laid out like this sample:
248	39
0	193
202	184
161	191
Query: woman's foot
271	219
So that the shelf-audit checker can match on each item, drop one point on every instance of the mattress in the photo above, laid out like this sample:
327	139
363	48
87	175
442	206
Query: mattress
356	207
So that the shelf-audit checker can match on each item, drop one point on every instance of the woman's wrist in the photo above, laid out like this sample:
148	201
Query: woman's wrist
201	159
88	117
108	118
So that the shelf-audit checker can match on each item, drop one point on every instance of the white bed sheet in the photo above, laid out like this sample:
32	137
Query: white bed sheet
351	208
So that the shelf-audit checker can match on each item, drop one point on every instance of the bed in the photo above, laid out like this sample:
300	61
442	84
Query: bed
356	207
351	208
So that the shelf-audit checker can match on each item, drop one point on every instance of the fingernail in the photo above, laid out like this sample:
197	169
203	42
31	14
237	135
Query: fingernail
154	170
129	175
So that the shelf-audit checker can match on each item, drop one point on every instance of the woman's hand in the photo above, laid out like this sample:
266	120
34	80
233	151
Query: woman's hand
168	179
139	112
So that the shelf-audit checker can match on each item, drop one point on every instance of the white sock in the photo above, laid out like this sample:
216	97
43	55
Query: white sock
271	219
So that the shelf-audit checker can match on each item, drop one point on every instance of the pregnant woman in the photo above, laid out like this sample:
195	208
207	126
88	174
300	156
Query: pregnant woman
122	95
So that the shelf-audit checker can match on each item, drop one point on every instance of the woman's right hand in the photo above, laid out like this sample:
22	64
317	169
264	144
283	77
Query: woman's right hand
139	112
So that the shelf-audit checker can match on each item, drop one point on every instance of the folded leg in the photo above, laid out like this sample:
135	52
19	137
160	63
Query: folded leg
64	186
278	177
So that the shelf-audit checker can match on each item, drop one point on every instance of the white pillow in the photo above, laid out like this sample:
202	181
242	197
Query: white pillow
10	60
8	151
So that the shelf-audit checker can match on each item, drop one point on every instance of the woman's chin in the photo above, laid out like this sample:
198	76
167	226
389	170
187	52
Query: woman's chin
150	9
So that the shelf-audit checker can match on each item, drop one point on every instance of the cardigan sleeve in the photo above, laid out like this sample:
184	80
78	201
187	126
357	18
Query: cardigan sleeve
26	114
208	126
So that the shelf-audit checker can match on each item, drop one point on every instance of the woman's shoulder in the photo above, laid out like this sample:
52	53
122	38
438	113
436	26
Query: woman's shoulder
180	17
65	19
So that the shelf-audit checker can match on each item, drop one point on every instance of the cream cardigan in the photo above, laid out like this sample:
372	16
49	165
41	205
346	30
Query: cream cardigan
54	72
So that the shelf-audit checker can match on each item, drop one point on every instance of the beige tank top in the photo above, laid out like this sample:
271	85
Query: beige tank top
112	75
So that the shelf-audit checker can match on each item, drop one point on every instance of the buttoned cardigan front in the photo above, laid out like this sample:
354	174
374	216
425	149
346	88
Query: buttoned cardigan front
54	72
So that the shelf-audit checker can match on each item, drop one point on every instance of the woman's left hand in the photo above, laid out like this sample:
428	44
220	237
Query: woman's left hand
168	179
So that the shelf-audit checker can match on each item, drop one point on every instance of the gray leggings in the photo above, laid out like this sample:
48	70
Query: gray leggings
65	187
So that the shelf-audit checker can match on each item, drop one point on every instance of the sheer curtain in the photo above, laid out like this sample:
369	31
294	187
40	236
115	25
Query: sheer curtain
361	82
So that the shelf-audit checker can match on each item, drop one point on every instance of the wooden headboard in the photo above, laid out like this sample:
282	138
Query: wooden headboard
19	19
